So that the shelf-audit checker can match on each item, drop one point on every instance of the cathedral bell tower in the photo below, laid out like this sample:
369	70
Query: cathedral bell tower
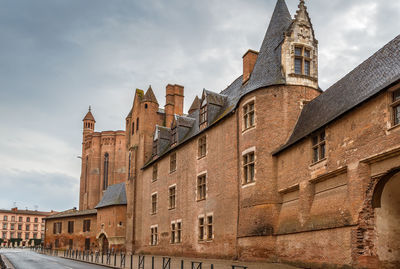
88	123
300	51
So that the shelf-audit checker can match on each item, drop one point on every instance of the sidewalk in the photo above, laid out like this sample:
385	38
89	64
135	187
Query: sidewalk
163	262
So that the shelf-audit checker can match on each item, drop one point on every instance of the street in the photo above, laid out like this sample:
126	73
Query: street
26	259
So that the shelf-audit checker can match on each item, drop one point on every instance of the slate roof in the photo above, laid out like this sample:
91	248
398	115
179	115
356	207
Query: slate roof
114	195
195	105
73	213
366	80
149	96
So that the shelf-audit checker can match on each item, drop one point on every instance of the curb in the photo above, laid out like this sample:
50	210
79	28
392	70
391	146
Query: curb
88	262
7	263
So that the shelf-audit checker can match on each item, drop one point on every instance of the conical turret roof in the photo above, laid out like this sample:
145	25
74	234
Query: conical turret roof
267	70
149	96
89	115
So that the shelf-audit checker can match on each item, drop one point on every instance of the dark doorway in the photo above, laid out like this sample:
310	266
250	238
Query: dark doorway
87	243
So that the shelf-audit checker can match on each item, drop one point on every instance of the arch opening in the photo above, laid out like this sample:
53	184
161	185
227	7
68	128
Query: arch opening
388	222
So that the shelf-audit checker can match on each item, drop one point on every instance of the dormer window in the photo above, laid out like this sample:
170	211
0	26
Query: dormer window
302	61
174	136
203	115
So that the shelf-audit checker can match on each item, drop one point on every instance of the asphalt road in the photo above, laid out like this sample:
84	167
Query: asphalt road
26	259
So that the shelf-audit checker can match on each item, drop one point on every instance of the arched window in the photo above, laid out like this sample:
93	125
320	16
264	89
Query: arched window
105	177
133	127
86	172
129	165
137	124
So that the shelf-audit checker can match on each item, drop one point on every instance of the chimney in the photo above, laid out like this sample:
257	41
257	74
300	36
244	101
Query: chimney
173	103
249	60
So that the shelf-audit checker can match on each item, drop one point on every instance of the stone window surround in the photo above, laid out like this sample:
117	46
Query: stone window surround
153	210
172	169
197	178
311	58
205	227
252	99
169	196
199	156
176	230
153	232
154	172
319	145
249	150
391	105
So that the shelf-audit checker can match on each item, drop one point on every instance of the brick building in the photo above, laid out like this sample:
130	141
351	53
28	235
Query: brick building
270	168
22	227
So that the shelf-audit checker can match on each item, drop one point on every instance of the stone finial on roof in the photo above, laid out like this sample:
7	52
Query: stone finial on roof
302	14
149	96
89	115
195	105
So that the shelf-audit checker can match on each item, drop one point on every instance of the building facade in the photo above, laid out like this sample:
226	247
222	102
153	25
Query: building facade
270	168
22	227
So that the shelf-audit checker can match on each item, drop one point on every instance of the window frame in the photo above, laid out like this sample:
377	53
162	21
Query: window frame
249	114
154	235
201	228
203	115
172	162
249	166
172	197
318	146
154	203
395	105
86	225
201	187
202	146
71	227
303	57
155	172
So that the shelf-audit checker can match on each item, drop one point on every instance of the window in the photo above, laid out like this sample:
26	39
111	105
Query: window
56	243
248	168
26	235
203	115
57	227
173	233
86	225
248	115
35	227
172	197
172	162
12	235
27	227
202	151
129	165
5	218
174	136
12	218
178	232
105	176
19	227
153	236
201	187
19	235
36	220
209	227
201	229
396	107
86	172
137	124
155	172
318	146
12	226
133	128
154	203
20	219
28	219
4	226
4	236
302	61
87	243
70	227
70	243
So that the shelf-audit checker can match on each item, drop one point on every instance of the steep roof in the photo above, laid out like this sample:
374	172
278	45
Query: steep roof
89	115
114	195
149	96
369	78
195	105
267	69
73	213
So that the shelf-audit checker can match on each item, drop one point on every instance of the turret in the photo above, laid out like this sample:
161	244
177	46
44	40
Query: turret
88	122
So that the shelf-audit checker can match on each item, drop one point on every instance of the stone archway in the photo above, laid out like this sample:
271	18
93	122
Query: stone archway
386	202
103	243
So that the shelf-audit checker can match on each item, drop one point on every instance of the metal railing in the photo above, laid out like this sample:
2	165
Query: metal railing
132	261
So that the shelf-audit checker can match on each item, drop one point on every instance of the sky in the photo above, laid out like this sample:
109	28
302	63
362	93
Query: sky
57	57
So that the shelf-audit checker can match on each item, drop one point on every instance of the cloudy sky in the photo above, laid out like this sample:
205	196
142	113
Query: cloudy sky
57	57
